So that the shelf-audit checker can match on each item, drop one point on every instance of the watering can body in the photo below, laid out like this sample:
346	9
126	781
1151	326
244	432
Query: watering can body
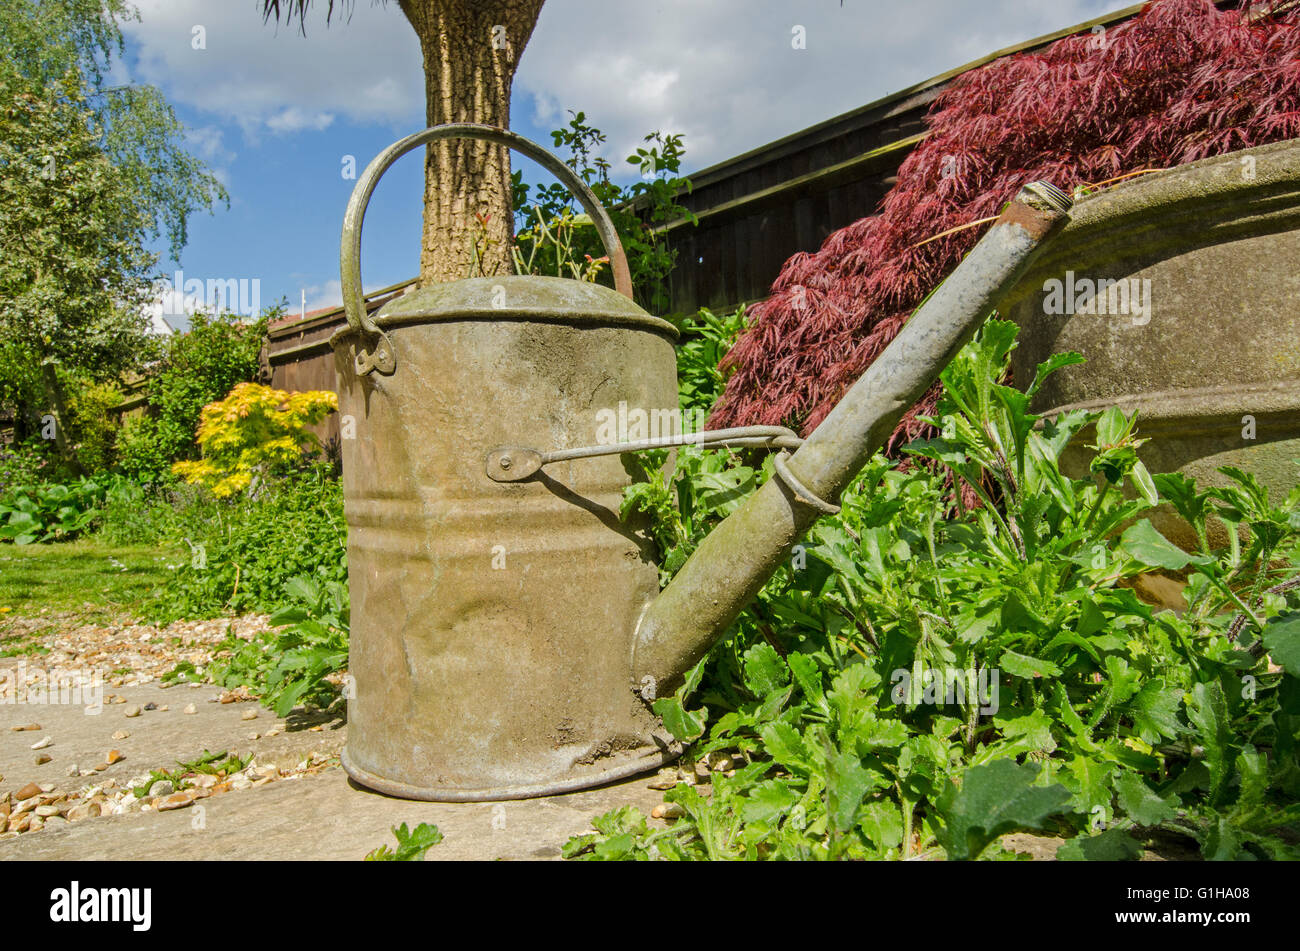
508	632
492	622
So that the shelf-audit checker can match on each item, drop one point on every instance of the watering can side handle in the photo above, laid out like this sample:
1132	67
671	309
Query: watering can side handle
354	303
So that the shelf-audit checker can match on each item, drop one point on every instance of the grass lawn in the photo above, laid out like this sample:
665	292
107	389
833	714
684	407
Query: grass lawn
95	580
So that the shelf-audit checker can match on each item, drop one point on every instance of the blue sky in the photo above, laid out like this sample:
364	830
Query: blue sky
275	114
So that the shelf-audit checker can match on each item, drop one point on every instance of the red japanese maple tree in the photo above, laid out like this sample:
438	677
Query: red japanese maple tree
1182	81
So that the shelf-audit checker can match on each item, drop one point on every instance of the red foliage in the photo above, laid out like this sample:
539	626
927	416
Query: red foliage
1180	82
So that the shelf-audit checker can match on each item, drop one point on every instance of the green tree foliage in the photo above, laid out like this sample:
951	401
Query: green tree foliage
90	173
138	131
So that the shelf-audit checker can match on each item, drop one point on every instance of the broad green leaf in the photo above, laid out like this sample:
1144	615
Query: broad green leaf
1282	639
1142	482
768	801
994	799
882	823
809	677
1155	712
786	746
685	725
1113	845
765	671
1207	710
1152	549
847	781
1089	780
1140	802
1024	666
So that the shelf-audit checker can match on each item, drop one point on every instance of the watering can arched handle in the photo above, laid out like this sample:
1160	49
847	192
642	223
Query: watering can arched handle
354	302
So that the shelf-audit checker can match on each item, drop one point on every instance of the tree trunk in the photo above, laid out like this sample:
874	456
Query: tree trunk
470	51
54	393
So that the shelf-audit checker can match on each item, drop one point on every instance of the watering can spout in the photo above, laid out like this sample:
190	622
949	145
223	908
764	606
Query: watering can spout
738	557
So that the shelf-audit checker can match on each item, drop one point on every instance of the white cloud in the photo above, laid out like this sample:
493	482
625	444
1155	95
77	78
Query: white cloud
268	77
328	294
723	73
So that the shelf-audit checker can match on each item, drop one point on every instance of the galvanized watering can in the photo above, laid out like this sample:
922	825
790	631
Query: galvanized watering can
508	631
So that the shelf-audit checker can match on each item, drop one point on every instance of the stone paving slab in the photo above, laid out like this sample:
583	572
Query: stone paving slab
158	738
322	816
325	817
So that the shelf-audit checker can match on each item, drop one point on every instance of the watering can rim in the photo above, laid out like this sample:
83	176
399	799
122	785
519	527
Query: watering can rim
532	298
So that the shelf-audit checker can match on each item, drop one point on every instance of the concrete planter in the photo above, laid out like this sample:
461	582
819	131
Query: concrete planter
1199	330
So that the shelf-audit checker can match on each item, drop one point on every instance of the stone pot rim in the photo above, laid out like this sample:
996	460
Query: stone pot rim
1146	212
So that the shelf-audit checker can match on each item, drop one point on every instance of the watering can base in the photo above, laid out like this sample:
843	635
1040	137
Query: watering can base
608	769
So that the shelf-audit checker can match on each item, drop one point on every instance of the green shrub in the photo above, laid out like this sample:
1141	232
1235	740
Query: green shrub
1082	711
95	428
197	367
245	550
706	338
25	463
43	513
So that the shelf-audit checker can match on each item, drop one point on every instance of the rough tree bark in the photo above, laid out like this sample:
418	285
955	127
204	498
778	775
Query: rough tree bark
471	50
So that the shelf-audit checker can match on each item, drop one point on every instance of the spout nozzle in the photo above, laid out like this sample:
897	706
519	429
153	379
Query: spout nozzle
1045	196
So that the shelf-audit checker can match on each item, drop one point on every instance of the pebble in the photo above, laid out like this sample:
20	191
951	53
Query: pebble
73	770
20	822
114	756
121	735
163	787
27	792
25	728
254	736
42	743
190	708
46	787
151	706
85	810
133	711
667	810
43	759
46	811
163	708
205	780
248	715
176	801
101	767
666	778
27	805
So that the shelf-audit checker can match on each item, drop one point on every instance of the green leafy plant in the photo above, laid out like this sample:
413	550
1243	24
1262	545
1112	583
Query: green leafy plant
706	338
43	513
291	665
553	239
924	677
411	846
211	764
242	552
